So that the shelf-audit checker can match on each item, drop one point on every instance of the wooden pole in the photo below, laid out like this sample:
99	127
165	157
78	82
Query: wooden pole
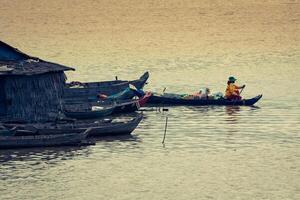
166	125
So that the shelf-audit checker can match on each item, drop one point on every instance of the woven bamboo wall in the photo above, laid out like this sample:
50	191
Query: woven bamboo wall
34	98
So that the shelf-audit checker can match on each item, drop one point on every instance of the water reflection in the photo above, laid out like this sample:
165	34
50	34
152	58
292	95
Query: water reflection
120	138
201	109
49	154
118	145
52	155
28	163
232	114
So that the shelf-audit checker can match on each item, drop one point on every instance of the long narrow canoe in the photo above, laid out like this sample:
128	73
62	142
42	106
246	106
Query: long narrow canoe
88	92
96	128
38	140
161	100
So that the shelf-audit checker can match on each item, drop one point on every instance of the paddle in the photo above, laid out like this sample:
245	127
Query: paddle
240	94
242	89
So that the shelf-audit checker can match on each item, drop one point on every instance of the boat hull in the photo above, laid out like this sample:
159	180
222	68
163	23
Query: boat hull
89	91
118	107
70	139
90	114
117	129
93	128
159	100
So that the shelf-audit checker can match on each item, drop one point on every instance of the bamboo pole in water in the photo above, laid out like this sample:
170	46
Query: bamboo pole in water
166	126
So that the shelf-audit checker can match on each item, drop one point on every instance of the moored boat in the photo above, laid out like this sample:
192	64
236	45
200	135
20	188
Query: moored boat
120	128
89	113
175	101
87	92
138	83
96	128
84	111
29	139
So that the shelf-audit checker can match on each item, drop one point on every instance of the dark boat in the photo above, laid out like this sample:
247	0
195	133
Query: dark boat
88	113
88	91
125	94
161	100
96	128
138	83
84	111
120	128
29	139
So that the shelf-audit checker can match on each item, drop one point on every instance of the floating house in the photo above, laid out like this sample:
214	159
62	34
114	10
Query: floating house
31	89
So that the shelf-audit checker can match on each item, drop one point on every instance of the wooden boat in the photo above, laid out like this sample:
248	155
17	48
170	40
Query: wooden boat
125	94
84	111
161	100
120	128
138	83
30	139
88	91
76	111
96	128
89	113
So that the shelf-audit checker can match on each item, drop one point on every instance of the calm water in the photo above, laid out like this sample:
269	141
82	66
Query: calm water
210	152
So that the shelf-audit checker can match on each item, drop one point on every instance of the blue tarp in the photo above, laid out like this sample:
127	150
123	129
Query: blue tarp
8	53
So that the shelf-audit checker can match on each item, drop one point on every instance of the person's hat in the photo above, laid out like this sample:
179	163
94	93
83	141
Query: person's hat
231	79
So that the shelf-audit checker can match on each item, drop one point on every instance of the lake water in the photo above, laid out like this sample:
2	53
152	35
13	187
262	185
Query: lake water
210	152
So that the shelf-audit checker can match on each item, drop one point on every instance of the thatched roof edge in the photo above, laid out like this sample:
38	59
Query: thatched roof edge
17	51
18	63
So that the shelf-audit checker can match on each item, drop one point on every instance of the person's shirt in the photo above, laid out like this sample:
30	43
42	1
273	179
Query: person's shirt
231	89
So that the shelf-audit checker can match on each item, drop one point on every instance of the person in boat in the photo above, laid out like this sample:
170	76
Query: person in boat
232	90
202	94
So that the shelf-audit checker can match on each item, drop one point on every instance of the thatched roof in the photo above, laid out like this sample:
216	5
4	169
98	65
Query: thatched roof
15	62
